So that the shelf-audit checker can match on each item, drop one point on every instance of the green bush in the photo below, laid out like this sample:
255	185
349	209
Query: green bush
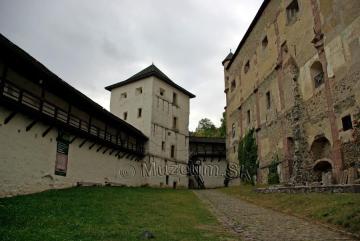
248	158
273	177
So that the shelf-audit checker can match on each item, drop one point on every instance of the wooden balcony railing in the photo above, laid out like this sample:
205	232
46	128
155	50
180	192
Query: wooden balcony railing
13	94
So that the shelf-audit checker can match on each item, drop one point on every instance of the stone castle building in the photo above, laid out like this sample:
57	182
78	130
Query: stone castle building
53	136
295	79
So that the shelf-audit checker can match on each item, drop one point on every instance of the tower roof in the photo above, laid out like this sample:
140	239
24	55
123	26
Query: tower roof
228	58
152	70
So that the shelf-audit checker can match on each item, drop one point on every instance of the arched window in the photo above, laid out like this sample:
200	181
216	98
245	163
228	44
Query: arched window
317	74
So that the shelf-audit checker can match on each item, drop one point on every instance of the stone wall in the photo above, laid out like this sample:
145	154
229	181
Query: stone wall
300	113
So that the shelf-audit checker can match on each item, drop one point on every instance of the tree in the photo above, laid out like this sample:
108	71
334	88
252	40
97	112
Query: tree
222	128
205	128
248	158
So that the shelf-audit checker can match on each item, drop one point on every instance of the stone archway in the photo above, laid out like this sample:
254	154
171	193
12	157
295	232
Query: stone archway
323	170
321	153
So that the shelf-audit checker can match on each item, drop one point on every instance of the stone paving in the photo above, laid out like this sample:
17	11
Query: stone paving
251	222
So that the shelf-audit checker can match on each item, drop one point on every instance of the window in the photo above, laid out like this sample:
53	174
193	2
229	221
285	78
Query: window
139	112
174	122
167	180
234	149
248	116
163	145
264	42
233	85
174	99
268	100
162	92
123	95
346	123
233	130
292	11
247	67
317	74
172	153
125	115
138	91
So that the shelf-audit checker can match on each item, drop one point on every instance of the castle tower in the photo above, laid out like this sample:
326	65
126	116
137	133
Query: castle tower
158	107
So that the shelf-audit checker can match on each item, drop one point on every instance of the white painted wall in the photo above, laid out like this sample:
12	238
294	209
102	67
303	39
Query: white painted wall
27	160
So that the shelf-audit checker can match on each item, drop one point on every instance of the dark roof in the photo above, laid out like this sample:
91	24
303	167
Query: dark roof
152	70
252	25
197	139
228	57
20	59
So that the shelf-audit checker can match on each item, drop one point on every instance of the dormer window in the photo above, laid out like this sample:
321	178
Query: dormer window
247	67
292	11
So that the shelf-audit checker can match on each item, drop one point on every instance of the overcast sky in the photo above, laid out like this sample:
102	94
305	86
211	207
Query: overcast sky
95	43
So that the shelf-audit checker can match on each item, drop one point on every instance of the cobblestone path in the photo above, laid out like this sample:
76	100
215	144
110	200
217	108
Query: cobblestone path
251	222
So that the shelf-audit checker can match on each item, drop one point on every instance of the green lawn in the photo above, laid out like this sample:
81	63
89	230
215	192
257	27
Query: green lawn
107	213
340	209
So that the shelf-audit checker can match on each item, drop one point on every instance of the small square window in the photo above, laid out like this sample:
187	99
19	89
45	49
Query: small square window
123	95
268	100
139	112
346	123
247	67
162	92
125	114
138	91
264	42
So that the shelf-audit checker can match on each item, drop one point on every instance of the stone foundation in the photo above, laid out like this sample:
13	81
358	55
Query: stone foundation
354	188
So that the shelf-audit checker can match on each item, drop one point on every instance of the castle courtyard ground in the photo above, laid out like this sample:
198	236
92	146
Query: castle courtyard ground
253	222
117	213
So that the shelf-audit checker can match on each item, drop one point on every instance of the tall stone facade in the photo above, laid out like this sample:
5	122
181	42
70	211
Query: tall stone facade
295	79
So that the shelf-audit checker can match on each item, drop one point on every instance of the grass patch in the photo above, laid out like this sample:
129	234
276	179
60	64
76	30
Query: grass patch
107	213
339	209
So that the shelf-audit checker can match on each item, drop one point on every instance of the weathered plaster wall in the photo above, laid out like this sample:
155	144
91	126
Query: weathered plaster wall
28	160
298	110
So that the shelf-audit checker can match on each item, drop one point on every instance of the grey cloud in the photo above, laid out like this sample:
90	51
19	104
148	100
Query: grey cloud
92	43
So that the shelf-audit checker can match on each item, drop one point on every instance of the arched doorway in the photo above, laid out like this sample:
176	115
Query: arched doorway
323	171
321	154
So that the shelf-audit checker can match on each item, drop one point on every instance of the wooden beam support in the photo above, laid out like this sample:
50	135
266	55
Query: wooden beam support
112	151
92	145
82	143
122	156
100	147
105	150
9	117
73	139
47	131
31	125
